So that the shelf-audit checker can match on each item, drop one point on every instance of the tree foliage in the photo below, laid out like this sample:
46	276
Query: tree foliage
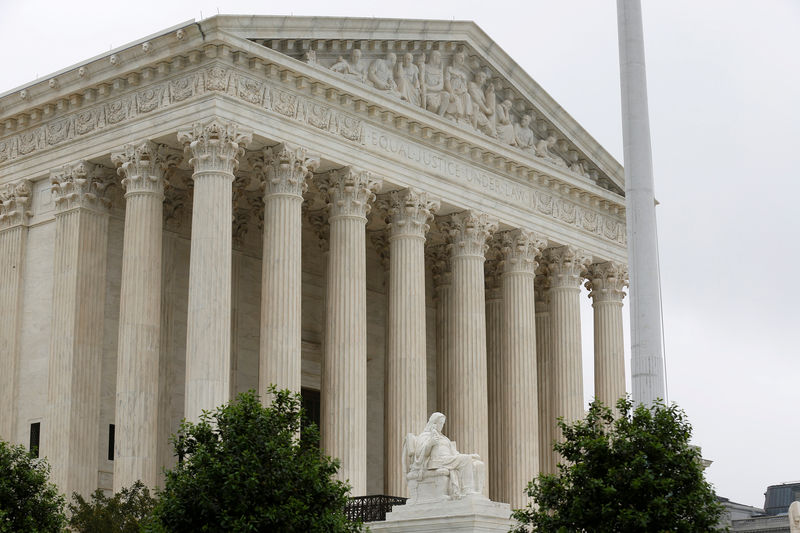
28	501
124	512
631	471
244	469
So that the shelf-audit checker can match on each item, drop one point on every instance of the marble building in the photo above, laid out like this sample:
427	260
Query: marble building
389	214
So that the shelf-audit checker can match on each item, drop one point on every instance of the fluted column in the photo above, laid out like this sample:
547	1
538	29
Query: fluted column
15	200
72	426
519	395
467	391
214	148
544	376
405	400
344	375
606	282
142	168
494	354
283	170
439	259
565	266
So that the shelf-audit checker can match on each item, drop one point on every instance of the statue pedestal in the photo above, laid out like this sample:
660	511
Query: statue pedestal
472	514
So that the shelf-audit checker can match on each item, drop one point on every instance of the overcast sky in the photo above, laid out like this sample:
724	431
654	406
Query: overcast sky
724	84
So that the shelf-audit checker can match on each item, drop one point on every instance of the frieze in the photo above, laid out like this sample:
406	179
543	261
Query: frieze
563	210
159	96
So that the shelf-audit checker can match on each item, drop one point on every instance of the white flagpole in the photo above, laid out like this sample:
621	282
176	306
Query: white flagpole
647	358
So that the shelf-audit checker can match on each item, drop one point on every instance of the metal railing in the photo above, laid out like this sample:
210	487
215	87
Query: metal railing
371	508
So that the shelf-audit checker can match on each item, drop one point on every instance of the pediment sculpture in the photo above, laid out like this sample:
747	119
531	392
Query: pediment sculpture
463	91
435	470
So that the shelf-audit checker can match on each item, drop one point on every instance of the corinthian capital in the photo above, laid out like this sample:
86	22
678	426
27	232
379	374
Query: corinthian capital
143	167
521	247
605	281
349	192
408	211
80	185
283	169
566	265
214	146
467	232
15	201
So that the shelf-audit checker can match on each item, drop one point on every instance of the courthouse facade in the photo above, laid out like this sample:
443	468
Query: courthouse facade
389	212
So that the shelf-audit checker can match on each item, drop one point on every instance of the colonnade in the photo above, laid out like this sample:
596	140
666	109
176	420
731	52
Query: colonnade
527	375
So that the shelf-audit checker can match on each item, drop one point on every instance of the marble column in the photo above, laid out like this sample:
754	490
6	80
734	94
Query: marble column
519	436
71	431
544	375
565	266
15	201
214	148
283	170
142	168
468	416
405	402
349	193
606	282
494	354
439	259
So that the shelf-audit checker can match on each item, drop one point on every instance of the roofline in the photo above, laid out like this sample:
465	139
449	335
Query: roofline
99	56
246	27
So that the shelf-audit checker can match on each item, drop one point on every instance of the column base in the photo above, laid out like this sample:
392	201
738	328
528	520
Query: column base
472	514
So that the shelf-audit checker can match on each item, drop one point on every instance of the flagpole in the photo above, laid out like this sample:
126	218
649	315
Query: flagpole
647	357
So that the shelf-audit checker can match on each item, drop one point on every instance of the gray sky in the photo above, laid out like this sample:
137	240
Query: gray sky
723	88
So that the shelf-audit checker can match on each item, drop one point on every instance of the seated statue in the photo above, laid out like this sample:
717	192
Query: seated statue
434	468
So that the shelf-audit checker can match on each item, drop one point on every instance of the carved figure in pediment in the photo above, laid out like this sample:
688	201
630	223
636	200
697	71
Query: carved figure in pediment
483	104
504	127
523	133
579	167
355	69
310	57
544	150
455	83
434	96
406	75
380	73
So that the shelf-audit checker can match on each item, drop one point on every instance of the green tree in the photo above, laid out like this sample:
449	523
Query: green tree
243	468
124	512
632	471
28	501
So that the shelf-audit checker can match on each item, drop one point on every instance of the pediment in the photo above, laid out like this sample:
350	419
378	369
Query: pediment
489	93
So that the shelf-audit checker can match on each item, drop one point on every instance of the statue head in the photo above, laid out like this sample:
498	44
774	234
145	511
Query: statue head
391	58
436	58
436	421
407	59
356	55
